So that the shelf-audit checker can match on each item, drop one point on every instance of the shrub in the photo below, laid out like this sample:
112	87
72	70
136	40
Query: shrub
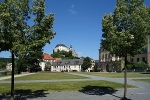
141	65
119	71
4	73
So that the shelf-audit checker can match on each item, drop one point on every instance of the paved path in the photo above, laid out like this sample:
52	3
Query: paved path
8	77
140	93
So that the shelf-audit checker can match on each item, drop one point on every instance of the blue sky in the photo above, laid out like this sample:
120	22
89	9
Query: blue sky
78	23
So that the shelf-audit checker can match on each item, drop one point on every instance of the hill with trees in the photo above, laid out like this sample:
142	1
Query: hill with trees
63	55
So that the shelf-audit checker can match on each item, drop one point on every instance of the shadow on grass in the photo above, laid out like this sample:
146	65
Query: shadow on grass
98	90
24	95
145	73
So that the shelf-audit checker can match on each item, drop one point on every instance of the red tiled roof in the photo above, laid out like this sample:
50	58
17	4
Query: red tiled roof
57	59
47	57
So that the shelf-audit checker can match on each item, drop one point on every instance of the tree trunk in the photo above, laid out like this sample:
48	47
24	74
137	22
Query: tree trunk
12	77
125	79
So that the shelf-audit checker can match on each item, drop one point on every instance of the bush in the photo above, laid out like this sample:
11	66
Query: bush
62	71
119	71
141	65
4	73
110	71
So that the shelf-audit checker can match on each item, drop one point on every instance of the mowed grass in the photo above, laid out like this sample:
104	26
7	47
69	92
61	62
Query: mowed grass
143	80
118	75
49	76
61	86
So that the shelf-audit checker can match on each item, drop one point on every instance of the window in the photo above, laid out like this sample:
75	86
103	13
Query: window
143	59
137	59
132	60
105	55
102	56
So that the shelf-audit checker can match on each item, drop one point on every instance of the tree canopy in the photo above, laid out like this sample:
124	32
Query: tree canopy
125	30
86	63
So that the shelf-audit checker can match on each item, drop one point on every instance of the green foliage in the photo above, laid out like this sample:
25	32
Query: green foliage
56	55
13	15
63	55
130	66
3	73
96	68
3	62
125	30
86	63
3	65
47	66
30	61
18	37
141	65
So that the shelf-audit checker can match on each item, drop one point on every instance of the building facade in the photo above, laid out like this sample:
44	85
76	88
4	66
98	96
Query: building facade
62	47
105	57
47	58
143	56
70	65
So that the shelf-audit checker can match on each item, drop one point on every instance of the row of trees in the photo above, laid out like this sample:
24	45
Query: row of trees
125	30
20	38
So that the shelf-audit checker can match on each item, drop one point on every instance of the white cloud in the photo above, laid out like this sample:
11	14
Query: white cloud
72	11
72	6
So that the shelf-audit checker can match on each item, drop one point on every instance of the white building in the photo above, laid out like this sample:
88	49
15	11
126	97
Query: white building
9	66
47	58
67	65
62	47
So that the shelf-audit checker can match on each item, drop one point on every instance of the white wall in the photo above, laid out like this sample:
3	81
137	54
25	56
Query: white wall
61	48
66	67
42	65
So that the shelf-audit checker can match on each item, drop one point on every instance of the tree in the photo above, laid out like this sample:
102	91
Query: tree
18	37
48	66
30	61
13	14
86	63
125	30
56	55
96	69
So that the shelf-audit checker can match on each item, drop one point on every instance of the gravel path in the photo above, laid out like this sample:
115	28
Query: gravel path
140	93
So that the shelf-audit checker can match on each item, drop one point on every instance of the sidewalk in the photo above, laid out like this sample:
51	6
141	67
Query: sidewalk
8	77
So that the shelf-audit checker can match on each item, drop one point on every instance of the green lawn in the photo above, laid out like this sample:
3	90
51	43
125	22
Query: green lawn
143	80
117	75
49	76
61	86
